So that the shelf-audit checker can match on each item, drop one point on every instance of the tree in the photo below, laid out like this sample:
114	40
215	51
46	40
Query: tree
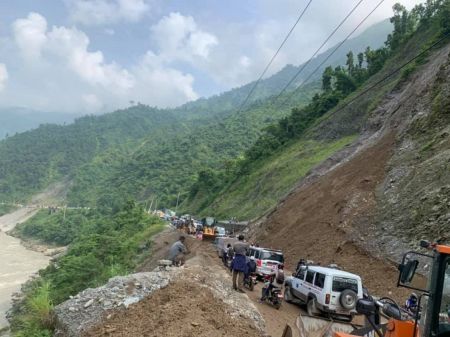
326	78
360	59
350	63
444	17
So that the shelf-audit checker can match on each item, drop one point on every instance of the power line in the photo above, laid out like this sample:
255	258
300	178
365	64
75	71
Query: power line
331	54
317	51
274	56
423	52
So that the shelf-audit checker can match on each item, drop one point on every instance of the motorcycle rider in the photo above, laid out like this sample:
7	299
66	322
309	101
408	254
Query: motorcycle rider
301	262
268	286
251	267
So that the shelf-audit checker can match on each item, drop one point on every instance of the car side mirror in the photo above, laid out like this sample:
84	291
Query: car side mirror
407	271
365	307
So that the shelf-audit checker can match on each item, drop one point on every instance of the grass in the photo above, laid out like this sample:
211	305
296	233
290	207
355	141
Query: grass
253	194
37	319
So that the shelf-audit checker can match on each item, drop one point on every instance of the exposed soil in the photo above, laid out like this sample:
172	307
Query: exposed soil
183	309
190	306
320	220
187	307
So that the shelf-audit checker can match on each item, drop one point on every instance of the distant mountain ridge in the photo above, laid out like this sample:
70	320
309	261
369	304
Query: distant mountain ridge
144	152
374	36
15	120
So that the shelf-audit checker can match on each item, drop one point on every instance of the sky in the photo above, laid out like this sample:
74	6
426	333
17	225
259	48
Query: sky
92	56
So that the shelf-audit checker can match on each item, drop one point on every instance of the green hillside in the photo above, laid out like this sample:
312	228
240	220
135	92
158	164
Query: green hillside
146	153
288	149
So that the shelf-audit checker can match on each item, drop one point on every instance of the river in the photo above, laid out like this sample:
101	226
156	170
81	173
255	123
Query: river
17	263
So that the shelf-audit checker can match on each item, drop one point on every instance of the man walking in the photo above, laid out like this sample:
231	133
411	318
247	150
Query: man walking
177	252
239	267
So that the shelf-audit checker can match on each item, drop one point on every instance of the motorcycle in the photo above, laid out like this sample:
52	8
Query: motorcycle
274	296
250	281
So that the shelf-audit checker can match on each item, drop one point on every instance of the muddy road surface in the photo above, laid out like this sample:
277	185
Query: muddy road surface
188	309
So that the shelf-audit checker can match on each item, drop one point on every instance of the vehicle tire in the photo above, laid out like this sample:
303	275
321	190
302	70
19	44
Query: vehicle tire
288	294
348	299
311	307
277	305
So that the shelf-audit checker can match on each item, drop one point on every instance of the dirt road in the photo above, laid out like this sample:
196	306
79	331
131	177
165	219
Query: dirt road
203	254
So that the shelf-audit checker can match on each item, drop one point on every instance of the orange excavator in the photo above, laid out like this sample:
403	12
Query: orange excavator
431	317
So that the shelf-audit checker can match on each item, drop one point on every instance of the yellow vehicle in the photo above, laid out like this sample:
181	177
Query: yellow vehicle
208	224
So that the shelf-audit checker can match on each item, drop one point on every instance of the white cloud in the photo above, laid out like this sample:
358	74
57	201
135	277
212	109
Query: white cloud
179	38
160	84
68	46
100	12
3	76
92	102
30	35
60	68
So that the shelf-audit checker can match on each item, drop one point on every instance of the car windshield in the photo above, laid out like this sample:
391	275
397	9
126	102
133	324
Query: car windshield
267	255
342	283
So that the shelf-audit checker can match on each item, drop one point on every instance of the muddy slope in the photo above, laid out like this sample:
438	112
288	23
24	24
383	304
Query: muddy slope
336	216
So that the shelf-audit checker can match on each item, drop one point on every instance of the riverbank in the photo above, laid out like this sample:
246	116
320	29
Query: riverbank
18	265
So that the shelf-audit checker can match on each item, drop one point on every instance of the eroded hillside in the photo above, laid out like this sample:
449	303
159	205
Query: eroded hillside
377	198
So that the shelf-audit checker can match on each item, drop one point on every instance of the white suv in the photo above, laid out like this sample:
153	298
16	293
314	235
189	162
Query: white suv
267	260
324	290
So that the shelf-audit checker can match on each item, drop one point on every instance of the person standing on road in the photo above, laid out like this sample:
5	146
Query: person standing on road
177	252
239	266
225	256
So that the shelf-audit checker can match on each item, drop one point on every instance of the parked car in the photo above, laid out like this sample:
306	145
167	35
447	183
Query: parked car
267	260
324	290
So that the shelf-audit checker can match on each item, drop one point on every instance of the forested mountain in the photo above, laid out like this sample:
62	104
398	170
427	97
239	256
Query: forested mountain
144	152
289	149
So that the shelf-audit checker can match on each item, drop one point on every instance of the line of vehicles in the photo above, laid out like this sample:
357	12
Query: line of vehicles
332	296
206	229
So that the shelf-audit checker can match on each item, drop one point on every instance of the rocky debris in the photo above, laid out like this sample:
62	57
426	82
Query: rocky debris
89	307
219	284
98	308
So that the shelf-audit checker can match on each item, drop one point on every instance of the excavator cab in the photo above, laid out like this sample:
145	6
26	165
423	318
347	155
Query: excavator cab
435	317
432	318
